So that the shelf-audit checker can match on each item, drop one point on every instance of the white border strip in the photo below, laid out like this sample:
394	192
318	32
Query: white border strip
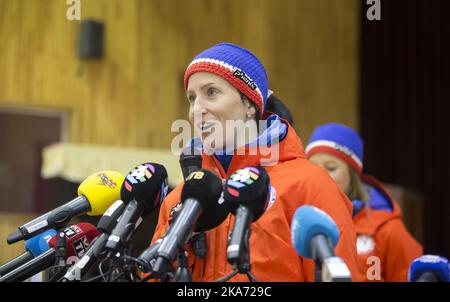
336	146
226	66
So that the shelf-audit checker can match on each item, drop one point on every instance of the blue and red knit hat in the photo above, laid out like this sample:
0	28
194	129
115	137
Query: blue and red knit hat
340	141
238	66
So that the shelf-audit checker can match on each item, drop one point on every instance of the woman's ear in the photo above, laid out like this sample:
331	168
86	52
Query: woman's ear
250	107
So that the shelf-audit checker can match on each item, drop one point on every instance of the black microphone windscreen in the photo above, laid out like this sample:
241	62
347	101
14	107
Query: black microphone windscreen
190	152
147	184
206	187
250	187
190	160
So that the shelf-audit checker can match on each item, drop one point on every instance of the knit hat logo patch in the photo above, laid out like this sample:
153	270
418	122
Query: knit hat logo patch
245	78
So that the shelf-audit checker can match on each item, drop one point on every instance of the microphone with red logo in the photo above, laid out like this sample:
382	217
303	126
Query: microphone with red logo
96	249
78	238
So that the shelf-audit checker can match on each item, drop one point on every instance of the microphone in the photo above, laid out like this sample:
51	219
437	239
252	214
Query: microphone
202	209
143	190
33	248
78	238
247	191
429	268
105	225
147	258
109	219
190	160
96	194
314	236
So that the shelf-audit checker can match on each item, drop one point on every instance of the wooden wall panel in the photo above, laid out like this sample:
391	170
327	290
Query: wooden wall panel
132	95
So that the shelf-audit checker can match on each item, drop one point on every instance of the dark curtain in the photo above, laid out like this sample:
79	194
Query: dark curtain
404	96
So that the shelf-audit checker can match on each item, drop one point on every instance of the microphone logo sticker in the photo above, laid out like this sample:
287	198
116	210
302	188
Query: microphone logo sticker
432	259
128	187
243	177
221	199
80	246
196	175
141	173
106	181
72	231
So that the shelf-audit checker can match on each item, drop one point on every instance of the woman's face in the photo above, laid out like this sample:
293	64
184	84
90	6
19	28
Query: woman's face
213	101
336	168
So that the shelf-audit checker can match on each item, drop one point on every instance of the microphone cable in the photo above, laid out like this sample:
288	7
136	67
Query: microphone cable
234	272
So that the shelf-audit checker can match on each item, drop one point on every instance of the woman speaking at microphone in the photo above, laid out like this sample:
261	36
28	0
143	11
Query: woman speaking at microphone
377	217
227	83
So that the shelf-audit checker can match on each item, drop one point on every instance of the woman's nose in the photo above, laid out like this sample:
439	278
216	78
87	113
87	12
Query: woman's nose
198	108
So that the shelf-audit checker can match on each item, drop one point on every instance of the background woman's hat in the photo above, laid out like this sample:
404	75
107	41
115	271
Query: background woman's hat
338	140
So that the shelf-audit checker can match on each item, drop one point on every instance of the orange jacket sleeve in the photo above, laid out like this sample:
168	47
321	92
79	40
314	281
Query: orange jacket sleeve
164	213
399	250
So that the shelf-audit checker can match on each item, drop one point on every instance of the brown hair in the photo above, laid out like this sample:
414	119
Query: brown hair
356	189
274	105
243	98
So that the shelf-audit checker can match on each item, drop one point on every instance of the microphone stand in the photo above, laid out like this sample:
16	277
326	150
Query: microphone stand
58	270
317	272
182	273
119	268
241	265
128	265
199	245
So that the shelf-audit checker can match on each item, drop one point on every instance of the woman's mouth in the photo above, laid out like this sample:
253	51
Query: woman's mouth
206	126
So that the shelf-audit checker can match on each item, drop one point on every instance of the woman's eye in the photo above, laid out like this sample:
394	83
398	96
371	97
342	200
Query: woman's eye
191	98
330	169
212	92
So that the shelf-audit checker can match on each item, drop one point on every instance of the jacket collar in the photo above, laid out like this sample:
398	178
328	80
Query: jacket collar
368	220
267	154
